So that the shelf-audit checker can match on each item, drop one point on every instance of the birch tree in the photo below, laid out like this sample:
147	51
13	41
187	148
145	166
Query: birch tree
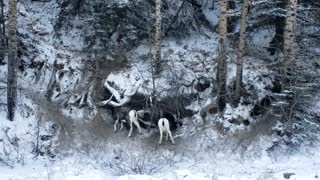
241	46
222	65
2	31
12	60
289	38
157	63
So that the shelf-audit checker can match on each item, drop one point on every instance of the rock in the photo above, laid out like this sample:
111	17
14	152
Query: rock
288	175
45	137
201	84
262	106
234	121
316	65
246	122
276	86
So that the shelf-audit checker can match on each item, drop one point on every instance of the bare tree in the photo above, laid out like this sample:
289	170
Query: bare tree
157	64
222	65
150	39
241	46
289	38
12	59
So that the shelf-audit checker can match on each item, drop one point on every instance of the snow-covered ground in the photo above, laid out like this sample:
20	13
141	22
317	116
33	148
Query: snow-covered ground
304	165
197	155
200	152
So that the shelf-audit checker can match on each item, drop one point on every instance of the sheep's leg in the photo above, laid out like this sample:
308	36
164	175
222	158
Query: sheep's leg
115	125
167	136
121	124
138	126
131	127
169	132
160	140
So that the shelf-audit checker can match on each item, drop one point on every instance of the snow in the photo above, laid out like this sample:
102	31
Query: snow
262	37
184	62
205	155
129	82
121	2
316	107
238	113
211	16
304	167
19	137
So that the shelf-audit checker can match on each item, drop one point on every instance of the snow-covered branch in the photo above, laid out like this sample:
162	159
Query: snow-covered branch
116	104
113	91
116	94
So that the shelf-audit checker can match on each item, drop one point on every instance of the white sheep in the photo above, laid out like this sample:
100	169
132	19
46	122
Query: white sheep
133	118
164	127
123	116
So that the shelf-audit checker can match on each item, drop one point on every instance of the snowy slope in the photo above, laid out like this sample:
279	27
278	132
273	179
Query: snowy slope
83	148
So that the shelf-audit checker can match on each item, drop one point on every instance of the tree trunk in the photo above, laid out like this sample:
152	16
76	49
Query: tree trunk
157	63
222	65
2	32
241	46
289	39
212	7
231	5
12	60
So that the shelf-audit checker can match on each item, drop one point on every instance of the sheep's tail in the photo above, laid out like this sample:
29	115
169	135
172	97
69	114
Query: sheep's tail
135	114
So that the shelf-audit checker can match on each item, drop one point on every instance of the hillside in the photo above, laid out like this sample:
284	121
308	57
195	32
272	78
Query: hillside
80	62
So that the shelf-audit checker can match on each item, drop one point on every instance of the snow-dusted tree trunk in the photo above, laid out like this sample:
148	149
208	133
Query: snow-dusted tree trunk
222	65
241	46
157	63
289	38
12	59
2	32
212	7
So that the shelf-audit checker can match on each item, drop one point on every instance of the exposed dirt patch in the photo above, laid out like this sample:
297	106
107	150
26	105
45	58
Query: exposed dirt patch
79	135
262	127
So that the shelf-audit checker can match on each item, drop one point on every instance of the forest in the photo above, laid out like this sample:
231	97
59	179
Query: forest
159	89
